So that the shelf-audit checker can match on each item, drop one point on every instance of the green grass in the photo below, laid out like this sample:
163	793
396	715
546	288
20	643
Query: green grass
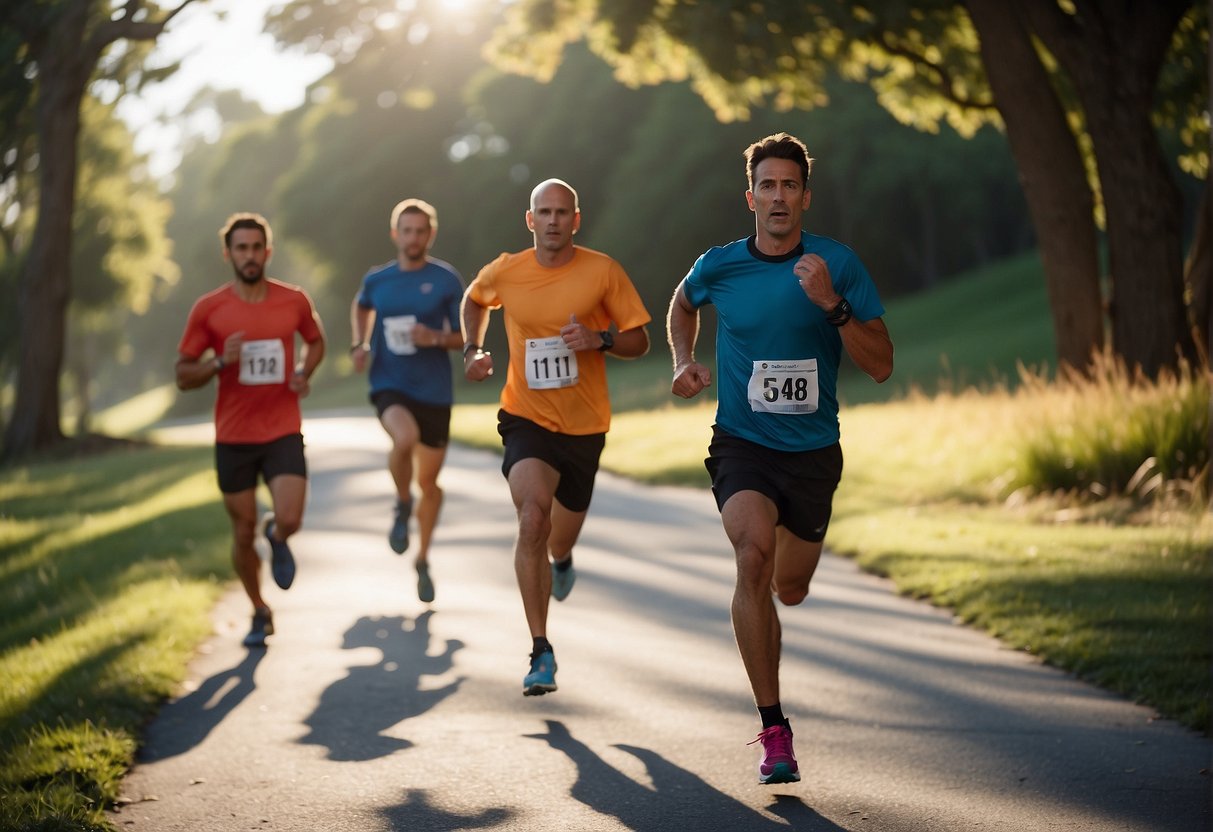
108	570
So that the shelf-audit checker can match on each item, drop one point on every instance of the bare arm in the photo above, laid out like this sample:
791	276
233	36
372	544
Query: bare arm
310	356
477	364
194	372
866	342
629	343
682	324
870	347
360	331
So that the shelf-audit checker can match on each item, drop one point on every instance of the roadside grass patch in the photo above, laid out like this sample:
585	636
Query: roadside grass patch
109	566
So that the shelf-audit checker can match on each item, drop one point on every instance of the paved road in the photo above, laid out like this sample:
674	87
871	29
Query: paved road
372	711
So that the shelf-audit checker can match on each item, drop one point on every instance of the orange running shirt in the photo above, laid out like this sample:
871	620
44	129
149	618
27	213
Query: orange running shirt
537	301
254	404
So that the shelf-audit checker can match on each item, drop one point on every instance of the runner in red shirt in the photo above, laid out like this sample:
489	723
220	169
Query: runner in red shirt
244	334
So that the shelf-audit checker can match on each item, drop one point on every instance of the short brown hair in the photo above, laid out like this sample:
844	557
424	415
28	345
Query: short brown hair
246	219
778	146
414	206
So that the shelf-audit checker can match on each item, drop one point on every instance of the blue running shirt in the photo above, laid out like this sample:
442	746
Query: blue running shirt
430	295
775	352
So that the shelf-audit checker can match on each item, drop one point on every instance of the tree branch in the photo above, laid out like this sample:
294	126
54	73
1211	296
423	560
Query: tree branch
945	85
127	28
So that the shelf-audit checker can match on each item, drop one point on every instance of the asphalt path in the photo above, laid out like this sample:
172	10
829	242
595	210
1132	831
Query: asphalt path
372	711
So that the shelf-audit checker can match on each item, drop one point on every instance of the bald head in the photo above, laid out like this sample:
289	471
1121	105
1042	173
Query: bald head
554	183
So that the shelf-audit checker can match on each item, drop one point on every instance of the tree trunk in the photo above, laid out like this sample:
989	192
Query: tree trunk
1113	51
45	281
1052	175
1198	274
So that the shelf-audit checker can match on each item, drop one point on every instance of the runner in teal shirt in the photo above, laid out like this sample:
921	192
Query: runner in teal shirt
788	305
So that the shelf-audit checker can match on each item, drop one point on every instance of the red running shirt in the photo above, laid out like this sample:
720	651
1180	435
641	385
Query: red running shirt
255	404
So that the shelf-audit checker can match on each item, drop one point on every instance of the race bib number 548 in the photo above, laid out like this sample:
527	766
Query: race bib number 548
784	386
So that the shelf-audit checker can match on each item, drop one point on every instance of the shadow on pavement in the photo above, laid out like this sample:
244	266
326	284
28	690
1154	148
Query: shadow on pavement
189	720
416	814
354	711
678	799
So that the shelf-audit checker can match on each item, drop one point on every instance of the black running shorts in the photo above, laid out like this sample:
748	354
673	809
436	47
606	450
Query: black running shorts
801	484
433	420
238	464
574	457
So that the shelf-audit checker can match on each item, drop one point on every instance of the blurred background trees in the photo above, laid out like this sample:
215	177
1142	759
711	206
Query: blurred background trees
914	168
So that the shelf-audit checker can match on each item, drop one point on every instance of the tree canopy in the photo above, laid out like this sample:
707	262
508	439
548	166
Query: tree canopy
1074	85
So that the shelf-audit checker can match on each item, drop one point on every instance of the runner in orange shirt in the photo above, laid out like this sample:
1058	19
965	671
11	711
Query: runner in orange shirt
559	301
243	333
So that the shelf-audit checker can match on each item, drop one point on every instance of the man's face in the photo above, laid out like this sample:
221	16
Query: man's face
553	219
247	253
413	235
778	198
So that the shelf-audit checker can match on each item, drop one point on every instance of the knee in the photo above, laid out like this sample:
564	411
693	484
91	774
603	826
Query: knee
429	488
534	524
753	568
286	523
790	596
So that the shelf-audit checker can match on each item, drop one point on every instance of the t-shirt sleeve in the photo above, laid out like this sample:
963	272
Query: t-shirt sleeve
364	293
309	319
483	289
196	338
622	302
694	286
857	286
454	301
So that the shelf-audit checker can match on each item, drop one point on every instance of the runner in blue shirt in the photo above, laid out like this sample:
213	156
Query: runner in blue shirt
410	310
788	304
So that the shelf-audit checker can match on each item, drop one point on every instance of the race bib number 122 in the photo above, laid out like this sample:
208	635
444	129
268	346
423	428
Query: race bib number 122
263	362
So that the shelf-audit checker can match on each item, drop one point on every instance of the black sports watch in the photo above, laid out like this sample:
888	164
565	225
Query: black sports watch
608	340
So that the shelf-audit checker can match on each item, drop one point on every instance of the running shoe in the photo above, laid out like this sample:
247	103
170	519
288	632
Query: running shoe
778	763
542	678
398	537
282	562
562	581
263	625
425	586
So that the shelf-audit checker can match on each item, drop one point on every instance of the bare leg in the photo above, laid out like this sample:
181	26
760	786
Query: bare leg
532	486
428	464
289	495
402	428
566	527
749	521
242	510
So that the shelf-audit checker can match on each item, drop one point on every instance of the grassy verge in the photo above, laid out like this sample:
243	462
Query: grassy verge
108	571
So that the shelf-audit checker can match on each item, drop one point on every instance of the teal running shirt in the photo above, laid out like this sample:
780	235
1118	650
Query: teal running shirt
776	355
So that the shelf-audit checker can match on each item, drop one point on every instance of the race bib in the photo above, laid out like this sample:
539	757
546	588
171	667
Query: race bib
549	364
263	362
398	332
784	386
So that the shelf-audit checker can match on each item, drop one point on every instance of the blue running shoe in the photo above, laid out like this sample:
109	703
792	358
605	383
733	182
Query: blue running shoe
562	581
398	537
425	586
282	562
542	678
263	625
778	763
